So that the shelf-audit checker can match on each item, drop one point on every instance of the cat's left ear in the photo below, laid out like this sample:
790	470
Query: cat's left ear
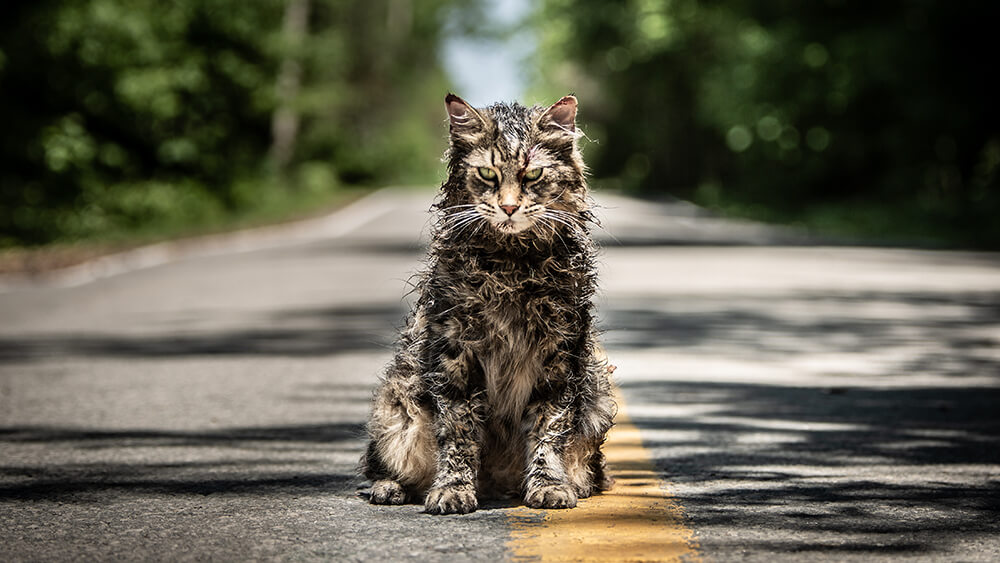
464	119
561	115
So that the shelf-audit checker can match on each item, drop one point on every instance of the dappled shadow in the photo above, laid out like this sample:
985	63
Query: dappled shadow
749	426
897	453
909	470
279	460
951	334
260	437
167	455
879	470
109	482
303	332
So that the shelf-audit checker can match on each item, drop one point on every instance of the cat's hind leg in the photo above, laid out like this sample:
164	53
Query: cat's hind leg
402	452
577	459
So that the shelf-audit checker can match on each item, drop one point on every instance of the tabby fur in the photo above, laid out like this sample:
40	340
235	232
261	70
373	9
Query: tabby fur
498	386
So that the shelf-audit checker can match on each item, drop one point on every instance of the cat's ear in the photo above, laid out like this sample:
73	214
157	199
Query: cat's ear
561	115
464	119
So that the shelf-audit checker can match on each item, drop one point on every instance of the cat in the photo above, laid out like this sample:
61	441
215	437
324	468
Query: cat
498	387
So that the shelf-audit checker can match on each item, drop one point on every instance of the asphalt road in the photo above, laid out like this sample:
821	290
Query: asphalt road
804	402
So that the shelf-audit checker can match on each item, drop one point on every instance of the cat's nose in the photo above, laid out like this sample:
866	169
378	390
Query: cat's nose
509	209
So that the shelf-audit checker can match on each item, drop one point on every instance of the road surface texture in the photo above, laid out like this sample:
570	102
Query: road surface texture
801	402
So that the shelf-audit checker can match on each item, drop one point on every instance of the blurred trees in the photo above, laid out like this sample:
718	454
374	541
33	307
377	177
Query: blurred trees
128	114
868	118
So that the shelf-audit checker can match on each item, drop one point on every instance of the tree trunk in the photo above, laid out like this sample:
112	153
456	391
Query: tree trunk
285	121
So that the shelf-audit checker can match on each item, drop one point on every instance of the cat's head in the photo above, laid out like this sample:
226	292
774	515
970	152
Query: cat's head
513	170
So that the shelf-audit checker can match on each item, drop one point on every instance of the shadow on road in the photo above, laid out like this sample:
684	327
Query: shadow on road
897	453
896	464
312	332
936	333
148	455
280	460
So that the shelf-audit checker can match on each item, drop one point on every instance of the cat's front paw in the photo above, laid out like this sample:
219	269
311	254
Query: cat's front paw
551	496
387	492
451	500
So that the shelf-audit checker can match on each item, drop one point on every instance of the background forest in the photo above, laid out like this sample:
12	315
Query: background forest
867	119
131	119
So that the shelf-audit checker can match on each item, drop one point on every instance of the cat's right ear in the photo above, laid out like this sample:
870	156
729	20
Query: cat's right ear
464	119
561	116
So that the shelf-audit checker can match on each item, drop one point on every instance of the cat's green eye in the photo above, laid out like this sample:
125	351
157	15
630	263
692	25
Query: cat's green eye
532	175
487	173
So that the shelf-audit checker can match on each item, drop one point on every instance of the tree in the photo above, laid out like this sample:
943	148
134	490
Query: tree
841	114
121	115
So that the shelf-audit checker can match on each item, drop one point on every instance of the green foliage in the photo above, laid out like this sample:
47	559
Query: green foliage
121	115
819	112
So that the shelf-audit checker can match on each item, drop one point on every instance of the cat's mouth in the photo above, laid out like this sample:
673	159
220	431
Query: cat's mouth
510	226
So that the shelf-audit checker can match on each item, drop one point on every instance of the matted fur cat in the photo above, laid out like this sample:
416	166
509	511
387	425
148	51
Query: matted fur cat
498	387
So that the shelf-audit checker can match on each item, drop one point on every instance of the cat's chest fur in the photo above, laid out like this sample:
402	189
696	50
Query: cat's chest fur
516	319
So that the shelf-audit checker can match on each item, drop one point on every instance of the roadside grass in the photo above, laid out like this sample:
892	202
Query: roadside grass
265	207
898	224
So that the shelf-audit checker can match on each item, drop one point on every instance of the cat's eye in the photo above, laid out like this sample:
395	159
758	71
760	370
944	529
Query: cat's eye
487	173
532	175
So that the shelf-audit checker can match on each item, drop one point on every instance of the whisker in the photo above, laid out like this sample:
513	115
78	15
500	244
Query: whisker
460	215
549	223
477	219
573	227
479	227
463	205
563	213
456	228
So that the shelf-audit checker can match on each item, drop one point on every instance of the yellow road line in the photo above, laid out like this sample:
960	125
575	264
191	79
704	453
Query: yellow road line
637	520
